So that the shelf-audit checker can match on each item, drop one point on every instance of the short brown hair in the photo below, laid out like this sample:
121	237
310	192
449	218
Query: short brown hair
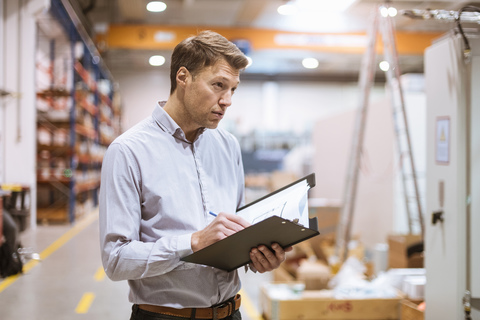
203	50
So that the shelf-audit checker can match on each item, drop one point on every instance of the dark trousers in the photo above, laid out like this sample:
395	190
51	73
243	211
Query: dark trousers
139	314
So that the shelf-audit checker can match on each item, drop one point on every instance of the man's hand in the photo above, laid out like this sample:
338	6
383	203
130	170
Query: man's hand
224	225
263	259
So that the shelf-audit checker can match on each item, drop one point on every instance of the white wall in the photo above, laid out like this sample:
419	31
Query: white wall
19	113
374	200
295	105
140	92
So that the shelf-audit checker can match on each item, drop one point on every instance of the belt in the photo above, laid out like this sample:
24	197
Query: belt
218	311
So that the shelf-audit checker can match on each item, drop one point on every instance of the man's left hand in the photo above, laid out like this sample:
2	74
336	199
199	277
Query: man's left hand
264	259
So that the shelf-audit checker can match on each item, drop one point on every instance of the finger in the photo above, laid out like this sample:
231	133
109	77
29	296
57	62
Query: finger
258	260
232	222
271	257
279	252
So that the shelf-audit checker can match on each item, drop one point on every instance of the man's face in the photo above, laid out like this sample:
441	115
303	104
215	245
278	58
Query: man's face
209	94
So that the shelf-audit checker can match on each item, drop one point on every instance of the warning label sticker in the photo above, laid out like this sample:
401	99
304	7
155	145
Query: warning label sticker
442	154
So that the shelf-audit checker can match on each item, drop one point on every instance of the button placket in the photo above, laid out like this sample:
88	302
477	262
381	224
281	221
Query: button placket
200	174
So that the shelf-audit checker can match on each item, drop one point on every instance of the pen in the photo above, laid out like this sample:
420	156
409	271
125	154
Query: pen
212	213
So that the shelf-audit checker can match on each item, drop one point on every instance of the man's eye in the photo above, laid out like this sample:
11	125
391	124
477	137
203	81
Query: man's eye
218	84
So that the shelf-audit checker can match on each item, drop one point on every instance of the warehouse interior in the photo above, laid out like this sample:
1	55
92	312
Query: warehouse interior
377	99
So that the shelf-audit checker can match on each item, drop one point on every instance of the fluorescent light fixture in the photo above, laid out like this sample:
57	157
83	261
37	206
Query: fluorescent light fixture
392	12
324	5
384	11
156	60
384	66
310	63
156	6
287	9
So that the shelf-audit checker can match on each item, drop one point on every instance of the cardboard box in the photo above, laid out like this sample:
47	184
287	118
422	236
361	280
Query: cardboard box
327	212
397	253
314	274
409	311
320	305
414	287
281	274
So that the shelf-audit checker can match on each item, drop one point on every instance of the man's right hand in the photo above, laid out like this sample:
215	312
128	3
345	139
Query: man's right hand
224	225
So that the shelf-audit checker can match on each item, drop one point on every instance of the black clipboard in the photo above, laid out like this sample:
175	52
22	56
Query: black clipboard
234	251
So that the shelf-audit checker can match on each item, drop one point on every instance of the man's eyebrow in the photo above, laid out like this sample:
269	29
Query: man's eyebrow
228	80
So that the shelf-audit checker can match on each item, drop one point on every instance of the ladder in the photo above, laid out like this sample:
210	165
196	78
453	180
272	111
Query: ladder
383	25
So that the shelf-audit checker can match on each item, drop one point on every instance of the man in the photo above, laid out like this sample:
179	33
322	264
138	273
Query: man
160	180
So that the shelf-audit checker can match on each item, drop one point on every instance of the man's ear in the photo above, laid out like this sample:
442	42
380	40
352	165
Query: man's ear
182	76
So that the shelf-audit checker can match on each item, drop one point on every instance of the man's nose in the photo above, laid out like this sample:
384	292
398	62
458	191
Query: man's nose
226	99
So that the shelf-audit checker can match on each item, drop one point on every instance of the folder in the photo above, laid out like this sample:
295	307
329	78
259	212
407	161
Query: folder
234	251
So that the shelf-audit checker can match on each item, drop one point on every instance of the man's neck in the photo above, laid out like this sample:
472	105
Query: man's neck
174	110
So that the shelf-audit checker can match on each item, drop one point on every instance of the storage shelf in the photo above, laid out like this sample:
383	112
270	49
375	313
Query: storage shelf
78	117
87	106
55	148
87	185
88	159
85	131
86	77
53	93
63	180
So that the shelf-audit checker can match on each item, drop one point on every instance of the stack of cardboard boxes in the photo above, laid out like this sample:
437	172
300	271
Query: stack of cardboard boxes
300	287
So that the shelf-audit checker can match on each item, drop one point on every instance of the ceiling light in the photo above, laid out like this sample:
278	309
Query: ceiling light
324	5
384	66
384	12
392	12
156	6
156	60
287	9
310	63
250	61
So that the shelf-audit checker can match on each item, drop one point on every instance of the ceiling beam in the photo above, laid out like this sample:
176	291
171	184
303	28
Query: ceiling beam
187	3
250	11
132	10
149	37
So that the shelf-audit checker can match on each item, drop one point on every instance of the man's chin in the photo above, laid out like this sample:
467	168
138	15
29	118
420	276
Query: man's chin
212	125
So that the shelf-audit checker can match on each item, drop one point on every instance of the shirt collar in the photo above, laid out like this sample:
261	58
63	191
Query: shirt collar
167	124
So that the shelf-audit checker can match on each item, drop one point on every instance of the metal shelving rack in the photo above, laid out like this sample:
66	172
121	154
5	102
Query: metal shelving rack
88	95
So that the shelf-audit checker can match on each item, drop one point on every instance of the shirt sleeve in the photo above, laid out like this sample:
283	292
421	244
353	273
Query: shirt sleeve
124	255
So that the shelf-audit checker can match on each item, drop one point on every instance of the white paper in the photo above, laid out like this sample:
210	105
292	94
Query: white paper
291	204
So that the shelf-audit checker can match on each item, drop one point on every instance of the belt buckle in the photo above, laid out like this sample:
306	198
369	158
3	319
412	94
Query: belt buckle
215	309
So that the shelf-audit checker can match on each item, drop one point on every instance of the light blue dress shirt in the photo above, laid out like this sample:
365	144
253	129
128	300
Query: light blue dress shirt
156	190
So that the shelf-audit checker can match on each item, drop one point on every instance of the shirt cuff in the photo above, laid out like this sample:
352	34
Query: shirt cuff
184	245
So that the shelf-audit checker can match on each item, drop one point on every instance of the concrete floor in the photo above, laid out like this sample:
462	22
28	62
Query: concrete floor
68	283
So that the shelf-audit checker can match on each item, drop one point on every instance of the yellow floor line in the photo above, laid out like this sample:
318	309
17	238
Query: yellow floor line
85	303
87	299
82	224
99	275
249	307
